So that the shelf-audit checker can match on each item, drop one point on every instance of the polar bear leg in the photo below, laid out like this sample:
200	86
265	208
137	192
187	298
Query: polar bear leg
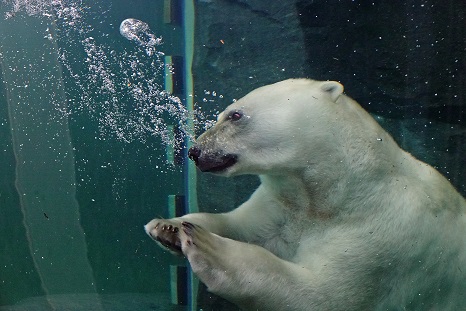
255	220
246	274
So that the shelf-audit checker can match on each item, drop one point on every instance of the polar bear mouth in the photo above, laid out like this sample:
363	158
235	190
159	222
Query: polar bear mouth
211	162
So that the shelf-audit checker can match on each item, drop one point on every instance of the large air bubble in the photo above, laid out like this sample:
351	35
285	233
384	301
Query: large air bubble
139	32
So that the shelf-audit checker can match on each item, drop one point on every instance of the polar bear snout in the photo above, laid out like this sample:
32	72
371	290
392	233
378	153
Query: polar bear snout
211	161
194	153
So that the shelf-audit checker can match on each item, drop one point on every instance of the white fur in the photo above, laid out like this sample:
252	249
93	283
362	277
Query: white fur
343	219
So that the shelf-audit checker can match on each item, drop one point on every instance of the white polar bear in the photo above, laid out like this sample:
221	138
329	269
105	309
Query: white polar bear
343	219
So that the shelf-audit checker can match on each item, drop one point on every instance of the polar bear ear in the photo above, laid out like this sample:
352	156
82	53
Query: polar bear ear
333	88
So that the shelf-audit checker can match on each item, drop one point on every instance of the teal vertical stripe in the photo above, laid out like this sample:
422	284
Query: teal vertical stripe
190	168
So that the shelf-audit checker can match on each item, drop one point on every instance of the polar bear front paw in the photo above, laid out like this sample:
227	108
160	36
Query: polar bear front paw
165	233
195	238
204	251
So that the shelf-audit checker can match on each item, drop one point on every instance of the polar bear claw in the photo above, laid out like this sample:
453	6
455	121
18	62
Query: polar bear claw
166	233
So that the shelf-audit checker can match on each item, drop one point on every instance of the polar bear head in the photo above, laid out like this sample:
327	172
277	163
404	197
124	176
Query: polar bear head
282	126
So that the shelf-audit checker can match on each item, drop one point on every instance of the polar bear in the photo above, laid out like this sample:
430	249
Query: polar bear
343	219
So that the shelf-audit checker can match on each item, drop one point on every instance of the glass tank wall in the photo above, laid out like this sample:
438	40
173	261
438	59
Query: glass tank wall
85	121
99	99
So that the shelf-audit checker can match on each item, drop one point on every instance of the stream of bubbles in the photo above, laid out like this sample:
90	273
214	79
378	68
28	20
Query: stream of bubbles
119	88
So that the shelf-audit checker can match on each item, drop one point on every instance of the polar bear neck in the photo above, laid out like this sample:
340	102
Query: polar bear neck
296	194
324	195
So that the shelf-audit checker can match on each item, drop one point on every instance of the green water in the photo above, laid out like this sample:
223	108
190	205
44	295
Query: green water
74	199
82	158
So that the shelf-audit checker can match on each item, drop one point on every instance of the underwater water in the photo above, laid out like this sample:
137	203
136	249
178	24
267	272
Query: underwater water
94	123
87	134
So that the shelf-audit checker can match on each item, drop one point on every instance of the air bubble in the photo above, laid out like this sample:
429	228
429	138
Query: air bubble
139	32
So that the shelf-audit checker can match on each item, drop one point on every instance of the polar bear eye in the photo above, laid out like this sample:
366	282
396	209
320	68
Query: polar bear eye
236	115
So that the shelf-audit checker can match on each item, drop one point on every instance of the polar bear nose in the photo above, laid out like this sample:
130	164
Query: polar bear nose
194	153
211	161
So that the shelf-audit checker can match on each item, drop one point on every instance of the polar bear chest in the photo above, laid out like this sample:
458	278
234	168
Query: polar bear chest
284	240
